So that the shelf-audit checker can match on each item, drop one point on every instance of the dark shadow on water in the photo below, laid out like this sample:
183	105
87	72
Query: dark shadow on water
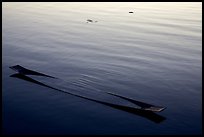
144	113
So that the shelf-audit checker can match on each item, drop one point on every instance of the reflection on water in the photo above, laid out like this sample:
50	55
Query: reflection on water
153	54
144	113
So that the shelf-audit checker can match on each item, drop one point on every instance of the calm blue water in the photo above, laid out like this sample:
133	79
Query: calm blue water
153	55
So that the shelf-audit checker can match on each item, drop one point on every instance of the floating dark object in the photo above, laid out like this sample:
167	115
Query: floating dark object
131	12
146	110
91	21
23	71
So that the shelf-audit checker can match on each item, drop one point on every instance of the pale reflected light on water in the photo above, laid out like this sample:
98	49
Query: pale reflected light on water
153	54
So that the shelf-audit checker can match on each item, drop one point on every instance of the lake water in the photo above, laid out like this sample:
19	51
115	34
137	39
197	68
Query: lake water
153	55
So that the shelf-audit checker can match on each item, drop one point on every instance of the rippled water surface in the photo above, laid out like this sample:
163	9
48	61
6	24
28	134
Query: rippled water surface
153	54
